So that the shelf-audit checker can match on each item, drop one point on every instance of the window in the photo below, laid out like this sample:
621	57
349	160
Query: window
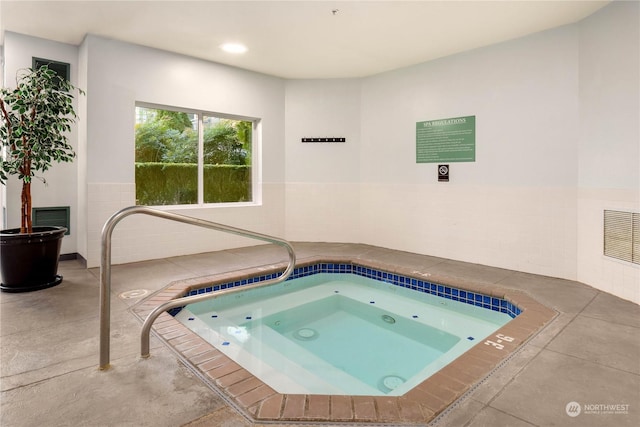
192	158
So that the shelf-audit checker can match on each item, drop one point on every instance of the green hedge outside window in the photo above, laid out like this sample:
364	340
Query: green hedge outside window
177	183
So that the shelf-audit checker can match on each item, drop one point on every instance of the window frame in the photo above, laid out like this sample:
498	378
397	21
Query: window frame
256	156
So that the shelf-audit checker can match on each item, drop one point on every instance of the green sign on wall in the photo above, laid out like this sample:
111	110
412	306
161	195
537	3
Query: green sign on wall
446	140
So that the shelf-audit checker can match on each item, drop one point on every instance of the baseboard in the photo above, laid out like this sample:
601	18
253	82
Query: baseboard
73	256
69	257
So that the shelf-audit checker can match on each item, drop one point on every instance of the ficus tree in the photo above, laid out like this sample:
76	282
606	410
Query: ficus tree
36	118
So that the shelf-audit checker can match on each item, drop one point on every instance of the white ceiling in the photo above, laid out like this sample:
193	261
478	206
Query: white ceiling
298	39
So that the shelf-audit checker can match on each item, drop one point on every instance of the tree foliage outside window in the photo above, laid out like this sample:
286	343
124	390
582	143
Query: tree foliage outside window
169	153
166	136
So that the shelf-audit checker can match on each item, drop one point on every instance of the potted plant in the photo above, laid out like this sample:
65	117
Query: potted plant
35	119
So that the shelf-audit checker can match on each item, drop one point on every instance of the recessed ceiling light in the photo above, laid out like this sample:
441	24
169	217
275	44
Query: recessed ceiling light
234	48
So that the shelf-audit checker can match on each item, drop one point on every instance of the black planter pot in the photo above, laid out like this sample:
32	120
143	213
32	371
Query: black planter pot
29	262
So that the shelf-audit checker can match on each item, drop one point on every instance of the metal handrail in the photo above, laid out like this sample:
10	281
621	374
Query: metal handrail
180	302
105	266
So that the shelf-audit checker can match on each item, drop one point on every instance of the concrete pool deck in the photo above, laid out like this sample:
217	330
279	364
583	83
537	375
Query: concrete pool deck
588	354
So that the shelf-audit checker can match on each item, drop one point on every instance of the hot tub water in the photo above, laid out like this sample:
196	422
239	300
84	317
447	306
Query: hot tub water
340	333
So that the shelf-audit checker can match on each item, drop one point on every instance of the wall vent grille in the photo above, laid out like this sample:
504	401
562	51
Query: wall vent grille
52	216
622	235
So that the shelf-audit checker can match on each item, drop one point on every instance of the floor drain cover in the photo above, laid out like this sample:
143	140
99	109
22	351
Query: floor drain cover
136	293
306	334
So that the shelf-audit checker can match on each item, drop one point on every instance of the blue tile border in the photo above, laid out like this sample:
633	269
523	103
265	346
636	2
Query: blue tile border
448	292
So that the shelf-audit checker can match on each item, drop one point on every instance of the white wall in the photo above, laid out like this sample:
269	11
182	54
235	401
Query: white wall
323	179
3	193
515	206
609	152
81	161
61	179
118	76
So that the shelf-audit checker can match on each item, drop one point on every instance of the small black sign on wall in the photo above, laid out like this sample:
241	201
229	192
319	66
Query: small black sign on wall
443	173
